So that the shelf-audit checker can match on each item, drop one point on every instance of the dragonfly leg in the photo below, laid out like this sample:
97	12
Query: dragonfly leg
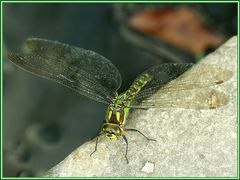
149	139
96	144
126	141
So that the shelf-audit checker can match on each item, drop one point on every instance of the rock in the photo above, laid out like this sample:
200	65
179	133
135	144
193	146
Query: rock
190	142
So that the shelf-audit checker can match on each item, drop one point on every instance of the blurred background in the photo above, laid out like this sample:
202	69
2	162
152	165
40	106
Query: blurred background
43	122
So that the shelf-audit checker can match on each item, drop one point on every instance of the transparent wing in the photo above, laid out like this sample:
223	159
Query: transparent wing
195	81
83	71
159	75
188	99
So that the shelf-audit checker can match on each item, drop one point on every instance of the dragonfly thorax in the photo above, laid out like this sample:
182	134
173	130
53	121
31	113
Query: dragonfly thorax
115	119
112	131
117	113
119	102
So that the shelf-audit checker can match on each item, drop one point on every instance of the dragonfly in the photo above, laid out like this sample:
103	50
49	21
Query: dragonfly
94	76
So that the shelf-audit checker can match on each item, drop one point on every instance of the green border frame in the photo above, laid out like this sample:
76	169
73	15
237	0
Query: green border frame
126	1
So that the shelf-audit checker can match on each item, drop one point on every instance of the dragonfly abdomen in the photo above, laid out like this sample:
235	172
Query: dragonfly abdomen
137	85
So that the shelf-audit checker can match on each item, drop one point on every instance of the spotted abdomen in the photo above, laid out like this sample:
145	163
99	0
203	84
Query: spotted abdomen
137	85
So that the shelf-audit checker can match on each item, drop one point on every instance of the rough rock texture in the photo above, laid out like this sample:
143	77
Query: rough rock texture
190	142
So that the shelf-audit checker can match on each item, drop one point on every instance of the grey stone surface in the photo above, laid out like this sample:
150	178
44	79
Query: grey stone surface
190	142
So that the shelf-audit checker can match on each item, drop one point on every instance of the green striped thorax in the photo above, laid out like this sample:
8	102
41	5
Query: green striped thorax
118	110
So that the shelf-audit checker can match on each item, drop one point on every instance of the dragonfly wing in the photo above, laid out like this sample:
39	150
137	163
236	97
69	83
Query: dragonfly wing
158	77
83	71
199	76
203	98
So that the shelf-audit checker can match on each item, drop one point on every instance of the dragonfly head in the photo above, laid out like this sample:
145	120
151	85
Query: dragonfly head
112	131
